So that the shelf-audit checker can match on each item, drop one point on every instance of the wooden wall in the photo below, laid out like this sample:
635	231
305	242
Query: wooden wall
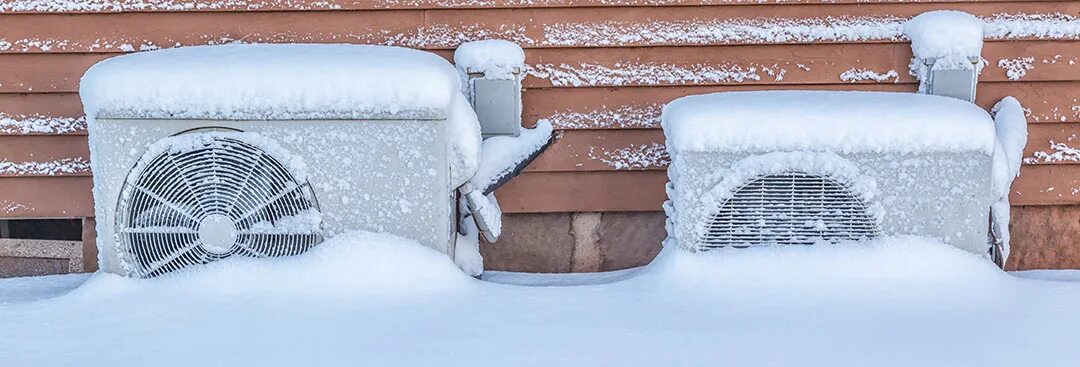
601	71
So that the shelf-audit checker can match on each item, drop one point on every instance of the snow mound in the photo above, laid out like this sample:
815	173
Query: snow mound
349	263
1011	127
497	59
883	262
947	39
942	33
284	81
1012	136
841	122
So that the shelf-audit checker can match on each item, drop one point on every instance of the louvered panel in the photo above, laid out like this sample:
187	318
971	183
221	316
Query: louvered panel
790	209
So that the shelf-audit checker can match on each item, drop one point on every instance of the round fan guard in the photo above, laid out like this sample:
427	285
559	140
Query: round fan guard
210	195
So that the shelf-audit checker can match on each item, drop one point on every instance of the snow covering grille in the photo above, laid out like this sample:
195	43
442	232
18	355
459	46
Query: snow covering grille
790	209
220	198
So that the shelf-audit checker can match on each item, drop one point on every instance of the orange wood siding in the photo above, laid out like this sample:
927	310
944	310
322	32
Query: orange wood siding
579	84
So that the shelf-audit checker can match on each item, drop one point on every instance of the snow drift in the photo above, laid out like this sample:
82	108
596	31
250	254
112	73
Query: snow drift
895	302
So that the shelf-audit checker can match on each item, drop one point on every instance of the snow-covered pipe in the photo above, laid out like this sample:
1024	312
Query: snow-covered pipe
947	52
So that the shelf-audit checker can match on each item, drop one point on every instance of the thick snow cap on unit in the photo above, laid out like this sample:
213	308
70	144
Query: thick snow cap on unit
842	122
287	82
943	33
271	82
497	59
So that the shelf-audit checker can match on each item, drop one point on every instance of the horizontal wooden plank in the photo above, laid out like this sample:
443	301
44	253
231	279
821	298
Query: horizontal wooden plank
46	197
44	155
114	6
583	192
633	107
644	190
643	149
537	27
665	66
1047	185
782	64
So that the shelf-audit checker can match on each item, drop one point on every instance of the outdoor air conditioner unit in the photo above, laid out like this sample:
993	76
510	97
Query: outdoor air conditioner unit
262	150
800	168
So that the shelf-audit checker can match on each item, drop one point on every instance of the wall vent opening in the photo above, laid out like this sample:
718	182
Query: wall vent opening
793	208
42	229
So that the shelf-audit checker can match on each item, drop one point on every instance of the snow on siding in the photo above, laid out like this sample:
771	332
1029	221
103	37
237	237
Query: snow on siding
1053	113
1034	25
625	117
633	156
40	124
584	75
48	168
150	5
583	34
781	30
758	30
431	36
1057	152
1016	68
858	75
11	207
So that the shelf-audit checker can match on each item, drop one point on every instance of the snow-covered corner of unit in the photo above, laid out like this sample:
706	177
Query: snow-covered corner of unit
1011	126
463	128
944	40
494	59
825	121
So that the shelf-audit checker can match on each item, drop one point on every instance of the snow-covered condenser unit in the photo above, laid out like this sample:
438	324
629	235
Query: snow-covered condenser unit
802	168
202	153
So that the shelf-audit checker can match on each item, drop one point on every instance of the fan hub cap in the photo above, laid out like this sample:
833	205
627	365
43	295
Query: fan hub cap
217	233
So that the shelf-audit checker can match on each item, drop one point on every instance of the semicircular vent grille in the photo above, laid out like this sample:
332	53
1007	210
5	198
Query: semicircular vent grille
792	208
221	198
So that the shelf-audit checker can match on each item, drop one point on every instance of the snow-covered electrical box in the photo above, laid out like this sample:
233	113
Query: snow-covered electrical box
498	105
956	82
201	153
801	167
946	50
493	70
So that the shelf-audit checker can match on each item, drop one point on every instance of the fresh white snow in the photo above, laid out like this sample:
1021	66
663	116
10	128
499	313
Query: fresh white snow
944	40
286	81
943	33
47	168
366	299
40	124
496	59
1012	136
826	121
501	154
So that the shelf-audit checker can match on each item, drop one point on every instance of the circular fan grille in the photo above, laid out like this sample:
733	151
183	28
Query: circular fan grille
221	197
790	209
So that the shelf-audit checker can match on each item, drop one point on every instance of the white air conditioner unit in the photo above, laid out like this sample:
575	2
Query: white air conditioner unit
262	150
800	168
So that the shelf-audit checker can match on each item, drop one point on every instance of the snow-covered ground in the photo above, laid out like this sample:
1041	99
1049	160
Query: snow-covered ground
366	299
